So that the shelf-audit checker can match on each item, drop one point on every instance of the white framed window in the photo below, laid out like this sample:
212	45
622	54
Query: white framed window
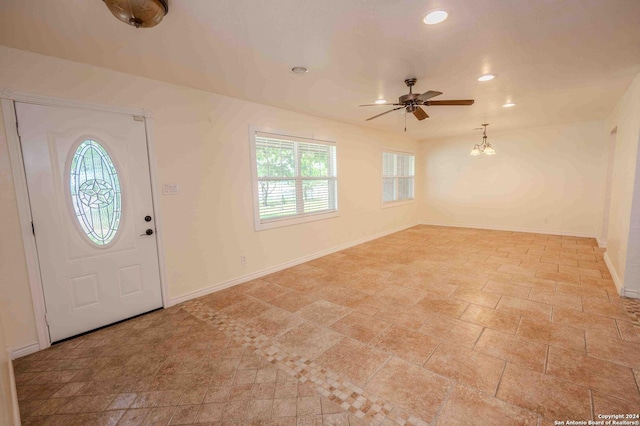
398	177
295	179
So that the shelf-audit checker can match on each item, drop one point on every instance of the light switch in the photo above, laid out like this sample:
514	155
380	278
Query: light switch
170	189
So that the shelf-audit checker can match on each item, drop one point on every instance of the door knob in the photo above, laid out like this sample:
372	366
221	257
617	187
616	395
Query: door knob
147	232
147	218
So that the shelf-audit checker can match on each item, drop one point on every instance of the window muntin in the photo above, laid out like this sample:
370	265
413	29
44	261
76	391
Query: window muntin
295	177
95	192
398	177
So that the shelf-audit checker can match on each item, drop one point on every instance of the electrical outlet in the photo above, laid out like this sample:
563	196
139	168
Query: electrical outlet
243	259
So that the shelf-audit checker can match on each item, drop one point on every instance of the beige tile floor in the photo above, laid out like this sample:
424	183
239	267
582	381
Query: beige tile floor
431	325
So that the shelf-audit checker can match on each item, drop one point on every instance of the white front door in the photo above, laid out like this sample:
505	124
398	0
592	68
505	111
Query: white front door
91	204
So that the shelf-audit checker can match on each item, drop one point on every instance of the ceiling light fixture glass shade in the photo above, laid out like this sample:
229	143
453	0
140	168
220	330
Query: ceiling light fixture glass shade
486	77
139	13
435	17
485	147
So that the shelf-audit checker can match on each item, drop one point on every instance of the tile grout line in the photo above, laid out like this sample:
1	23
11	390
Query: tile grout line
606	360
636	378
518	326
546	359
390	324
504	368
430	355
478	339
452	387
386	361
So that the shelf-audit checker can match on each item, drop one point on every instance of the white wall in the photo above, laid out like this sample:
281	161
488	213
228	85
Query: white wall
202	144
623	242
545	179
611	152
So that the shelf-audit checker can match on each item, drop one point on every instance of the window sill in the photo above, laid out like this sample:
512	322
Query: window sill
277	223
387	204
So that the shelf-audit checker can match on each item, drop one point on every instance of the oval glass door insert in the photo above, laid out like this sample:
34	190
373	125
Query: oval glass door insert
95	192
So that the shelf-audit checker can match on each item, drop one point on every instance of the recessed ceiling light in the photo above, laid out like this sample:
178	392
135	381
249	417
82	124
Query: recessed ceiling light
381	101
435	17
299	70
486	77
508	105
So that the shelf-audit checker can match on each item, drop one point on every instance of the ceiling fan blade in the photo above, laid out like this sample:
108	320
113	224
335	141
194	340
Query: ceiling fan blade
386	112
420	114
380	104
428	95
453	102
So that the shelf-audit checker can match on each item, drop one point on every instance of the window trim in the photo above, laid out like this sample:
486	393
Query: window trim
262	224
396	203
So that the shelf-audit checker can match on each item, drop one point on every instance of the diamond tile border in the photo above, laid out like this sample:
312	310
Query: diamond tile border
633	308
347	395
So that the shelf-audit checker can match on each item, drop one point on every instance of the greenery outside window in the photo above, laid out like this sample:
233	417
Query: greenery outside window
295	179
398	176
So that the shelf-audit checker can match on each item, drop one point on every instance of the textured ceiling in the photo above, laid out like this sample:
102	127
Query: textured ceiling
559	60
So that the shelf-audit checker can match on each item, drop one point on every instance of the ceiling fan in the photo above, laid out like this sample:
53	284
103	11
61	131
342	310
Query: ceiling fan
412	102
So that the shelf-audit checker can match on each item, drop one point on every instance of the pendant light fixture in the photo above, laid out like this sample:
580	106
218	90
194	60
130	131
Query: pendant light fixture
485	147
139	13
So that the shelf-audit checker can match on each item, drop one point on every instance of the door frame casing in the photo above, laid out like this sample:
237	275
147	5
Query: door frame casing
7	100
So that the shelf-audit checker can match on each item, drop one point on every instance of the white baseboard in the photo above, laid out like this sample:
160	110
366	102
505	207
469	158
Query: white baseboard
512	229
601	244
614	276
271	270
24	351
633	294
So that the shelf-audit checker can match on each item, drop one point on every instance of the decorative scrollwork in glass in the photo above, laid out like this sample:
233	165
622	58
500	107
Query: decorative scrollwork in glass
95	192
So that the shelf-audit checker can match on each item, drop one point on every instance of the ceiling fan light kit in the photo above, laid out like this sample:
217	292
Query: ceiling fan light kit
412	102
485	147
139	13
